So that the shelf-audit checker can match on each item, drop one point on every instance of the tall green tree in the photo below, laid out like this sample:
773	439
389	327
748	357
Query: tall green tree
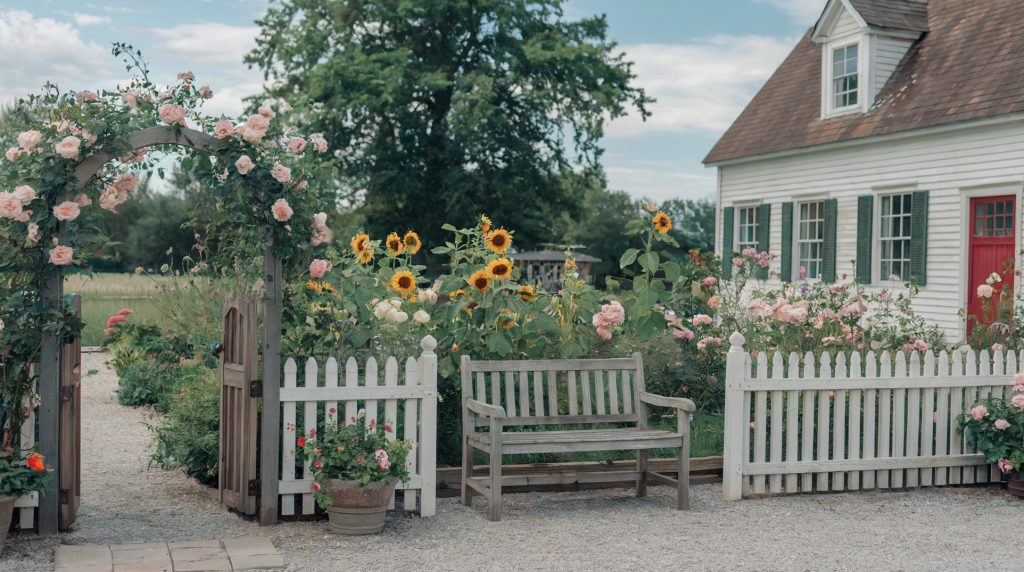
444	109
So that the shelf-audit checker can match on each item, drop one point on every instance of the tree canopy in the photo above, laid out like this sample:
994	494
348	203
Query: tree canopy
445	109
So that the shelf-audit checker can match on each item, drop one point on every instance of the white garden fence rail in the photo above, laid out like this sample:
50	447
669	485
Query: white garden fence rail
797	424
408	402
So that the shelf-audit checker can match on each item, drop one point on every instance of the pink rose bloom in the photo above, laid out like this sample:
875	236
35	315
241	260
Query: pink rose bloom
604	332
12	154
29	139
10	206
205	92
318	268
798	312
997	347
853	309
88	137
1005	466
33	232
281	173
126	182
83	200
244	164
702	320
321	235
758	308
714	301
297	145
265	111
125	312
115	320
319	143
683	334
985	291
61	255
1002	424
315	487
130	98
186	76
738	261
614	313
749	251
25	194
24	216
172	114
979	412
86	96
710	281
385	464
1018	401
69	147
67	210
111	198
223	129
320	220
258	122
108	331
281	210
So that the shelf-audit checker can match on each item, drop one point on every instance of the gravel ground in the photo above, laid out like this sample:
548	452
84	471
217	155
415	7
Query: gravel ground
929	529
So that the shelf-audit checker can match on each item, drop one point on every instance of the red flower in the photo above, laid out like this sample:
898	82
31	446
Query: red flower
35	462
360	459
387	428
373	422
332	411
125	312
312	433
318	464
301	442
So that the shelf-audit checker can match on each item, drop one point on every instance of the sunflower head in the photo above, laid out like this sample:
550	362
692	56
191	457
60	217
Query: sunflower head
527	292
366	256
498	241
662	223
412	242
403	282
570	265
485	224
360	244
500	269
481	280
394	244
507	319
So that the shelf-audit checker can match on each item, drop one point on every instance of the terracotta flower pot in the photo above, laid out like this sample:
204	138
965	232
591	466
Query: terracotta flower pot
6	514
358	510
1015	484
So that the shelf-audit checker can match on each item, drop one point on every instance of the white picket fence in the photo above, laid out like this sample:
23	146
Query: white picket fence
793	425
25	506
412	404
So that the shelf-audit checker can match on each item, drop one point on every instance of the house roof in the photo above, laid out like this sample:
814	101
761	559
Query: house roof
909	15
552	256
966	67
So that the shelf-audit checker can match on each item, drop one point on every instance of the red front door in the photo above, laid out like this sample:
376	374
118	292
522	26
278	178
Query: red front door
993	228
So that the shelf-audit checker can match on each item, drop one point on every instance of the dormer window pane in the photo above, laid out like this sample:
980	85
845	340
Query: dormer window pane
844	76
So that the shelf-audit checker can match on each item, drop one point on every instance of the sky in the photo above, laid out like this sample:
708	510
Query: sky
701	59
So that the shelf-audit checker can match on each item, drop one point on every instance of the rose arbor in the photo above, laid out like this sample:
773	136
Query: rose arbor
81	151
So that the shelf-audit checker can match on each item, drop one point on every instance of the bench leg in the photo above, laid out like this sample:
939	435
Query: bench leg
494	474
641	478
683	478
467	471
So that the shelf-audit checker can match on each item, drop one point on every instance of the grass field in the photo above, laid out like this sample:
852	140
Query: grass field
105	294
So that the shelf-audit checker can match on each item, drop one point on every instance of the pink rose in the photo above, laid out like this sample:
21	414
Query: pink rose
10	206
12	154
125	312
710	281
315	487
281	173
318	268
69	147
683	334
714	301
319	143
738	261
29	139
281	210
186	76
67	210
83	200
108	331
702	320
111	198
979	412
985	291
244	164
1002	424
223	129
614	313
258	122
1018	401
205	92
604	332
997	347
1005	466
130	98
297	145
33	232
172	114
25	194
61	255
265	111
83	96
126	182
758	308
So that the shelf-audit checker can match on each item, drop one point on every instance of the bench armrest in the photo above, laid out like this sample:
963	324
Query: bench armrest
680	403
485	409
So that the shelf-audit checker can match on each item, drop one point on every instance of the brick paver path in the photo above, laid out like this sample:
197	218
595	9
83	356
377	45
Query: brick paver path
227	555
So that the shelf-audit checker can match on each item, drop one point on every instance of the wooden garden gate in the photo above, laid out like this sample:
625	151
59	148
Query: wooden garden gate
239	390
70	474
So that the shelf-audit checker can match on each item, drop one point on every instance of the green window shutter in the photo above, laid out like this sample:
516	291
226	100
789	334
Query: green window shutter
828	251
786	256
865	236
919	237
728	220
764	234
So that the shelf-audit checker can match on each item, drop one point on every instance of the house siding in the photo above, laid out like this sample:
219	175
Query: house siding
846	24
946	164
888	53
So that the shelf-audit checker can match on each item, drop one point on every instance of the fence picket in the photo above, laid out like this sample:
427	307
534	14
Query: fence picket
824	414
792	420
942	419
956	404
371	381
853	434
775	481
928	415
913	419
288	438
970	397
899	420
390	408
410	422
839	424
870	421
760	421
309	423
807	436
883	448
331	380
352	380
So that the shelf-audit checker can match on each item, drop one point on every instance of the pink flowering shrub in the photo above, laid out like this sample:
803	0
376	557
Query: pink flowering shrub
995	427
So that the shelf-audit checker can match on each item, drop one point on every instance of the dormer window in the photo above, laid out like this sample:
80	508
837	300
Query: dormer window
844	77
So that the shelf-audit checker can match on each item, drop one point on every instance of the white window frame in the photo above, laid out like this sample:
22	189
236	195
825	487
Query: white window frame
864	90
880	219
855	93
798	242
738	242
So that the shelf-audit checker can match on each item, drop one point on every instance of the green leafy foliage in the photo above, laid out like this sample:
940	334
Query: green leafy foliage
188	436
995	428
23	477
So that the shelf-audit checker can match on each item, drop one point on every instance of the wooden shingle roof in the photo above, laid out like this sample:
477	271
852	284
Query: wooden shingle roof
966	67
911	15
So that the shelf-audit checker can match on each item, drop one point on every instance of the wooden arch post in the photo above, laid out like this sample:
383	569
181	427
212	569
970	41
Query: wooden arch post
49	363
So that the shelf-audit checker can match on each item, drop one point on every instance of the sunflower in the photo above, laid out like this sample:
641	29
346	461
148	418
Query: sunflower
662	223
481	280
360	244
507	319
366	256
455	295
412	242
527	292
485	224
394	244
403	282
499	241
500	269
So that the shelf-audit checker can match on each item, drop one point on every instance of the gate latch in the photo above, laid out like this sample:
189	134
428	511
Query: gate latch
256	388
254	487
67	393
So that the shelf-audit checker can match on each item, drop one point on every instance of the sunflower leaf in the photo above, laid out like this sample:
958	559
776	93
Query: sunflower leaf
628	257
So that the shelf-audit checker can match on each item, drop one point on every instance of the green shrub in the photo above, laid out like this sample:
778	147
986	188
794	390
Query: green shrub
188	436
155	383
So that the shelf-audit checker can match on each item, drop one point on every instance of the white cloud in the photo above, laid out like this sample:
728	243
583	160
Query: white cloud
703	86
662	181
801	11
36	50
208	43
90	19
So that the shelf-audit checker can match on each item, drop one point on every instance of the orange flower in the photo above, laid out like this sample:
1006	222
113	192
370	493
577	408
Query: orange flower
394	244
500	269
485	224
366	256
527	292
662	222
35	462
403	282
360	243
481	280
499	241
412	242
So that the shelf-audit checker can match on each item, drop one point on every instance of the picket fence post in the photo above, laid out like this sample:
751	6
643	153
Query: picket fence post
428	429
735	419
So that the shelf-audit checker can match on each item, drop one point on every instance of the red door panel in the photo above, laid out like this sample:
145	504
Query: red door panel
992	223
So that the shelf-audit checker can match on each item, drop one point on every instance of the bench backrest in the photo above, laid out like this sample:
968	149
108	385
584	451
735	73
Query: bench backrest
542	392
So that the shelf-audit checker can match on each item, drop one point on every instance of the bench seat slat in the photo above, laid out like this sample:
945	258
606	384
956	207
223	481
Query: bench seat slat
576	441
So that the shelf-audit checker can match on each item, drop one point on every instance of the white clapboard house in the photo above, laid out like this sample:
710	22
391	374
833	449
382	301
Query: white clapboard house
889	143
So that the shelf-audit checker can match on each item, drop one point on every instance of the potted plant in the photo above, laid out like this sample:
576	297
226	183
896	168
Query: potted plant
995	427
17	479
355	469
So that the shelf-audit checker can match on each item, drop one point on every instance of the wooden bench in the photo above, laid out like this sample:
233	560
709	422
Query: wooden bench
529	394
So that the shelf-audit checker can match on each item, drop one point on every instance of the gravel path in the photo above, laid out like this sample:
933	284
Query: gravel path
928	529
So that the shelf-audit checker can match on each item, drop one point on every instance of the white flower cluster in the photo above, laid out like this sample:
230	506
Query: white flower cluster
391	310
